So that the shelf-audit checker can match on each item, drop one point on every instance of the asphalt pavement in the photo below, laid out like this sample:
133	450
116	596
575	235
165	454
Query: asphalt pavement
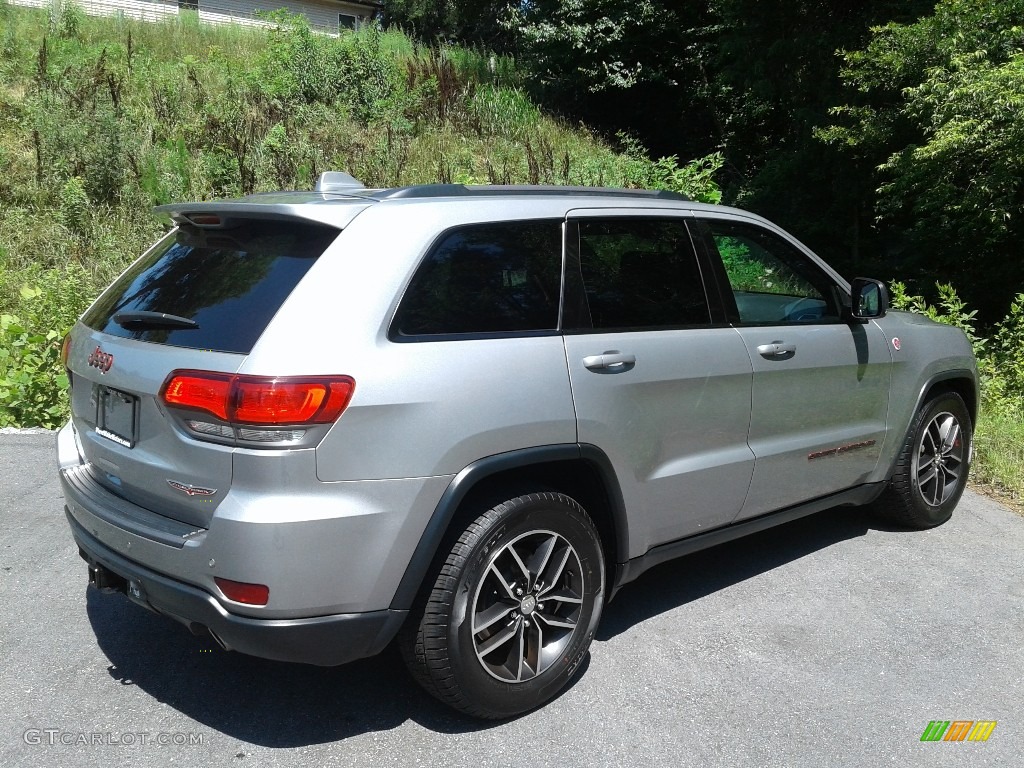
830	641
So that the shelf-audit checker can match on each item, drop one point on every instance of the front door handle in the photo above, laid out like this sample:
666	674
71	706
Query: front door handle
609	361
776	349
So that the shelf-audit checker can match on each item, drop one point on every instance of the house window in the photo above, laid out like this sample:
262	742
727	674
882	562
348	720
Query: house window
188	5
345	21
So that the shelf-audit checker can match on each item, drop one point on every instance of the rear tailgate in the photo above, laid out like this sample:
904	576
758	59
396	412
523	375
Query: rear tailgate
133	448
198	300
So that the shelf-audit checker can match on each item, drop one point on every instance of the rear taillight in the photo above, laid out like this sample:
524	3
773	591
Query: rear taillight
260	401
198	391
65	350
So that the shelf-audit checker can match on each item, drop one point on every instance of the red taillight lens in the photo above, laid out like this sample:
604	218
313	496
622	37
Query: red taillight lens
279	402
261	400
208	392
241	592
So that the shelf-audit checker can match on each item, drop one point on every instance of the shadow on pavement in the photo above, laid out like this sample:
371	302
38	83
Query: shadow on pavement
275	704
681	581
268	703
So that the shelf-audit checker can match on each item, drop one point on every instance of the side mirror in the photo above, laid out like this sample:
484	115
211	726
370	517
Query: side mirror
870	299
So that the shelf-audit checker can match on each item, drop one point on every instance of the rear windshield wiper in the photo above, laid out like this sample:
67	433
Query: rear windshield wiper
141	321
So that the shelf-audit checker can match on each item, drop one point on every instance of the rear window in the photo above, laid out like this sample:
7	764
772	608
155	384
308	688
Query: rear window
229	282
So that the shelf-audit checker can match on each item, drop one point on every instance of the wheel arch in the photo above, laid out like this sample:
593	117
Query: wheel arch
583	472
962	382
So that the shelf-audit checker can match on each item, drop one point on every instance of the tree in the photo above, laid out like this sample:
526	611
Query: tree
637	67
938	107
474	22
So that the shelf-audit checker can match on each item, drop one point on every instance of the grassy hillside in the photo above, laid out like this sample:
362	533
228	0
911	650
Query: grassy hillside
103	118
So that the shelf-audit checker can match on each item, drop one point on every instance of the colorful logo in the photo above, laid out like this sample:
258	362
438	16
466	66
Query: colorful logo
958	730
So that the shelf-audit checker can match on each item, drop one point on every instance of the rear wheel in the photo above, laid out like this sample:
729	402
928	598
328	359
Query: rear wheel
513	610
931	472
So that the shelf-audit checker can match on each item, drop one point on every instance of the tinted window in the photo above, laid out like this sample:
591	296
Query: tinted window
641	273
231	282
487	278
771	280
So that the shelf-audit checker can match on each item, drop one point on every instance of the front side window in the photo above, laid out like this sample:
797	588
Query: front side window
641	273
772	281
487	278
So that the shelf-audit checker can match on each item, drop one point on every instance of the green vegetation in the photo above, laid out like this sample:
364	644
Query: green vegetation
101	119
915	176
999	436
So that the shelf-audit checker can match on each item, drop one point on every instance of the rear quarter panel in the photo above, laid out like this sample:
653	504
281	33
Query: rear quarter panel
422	408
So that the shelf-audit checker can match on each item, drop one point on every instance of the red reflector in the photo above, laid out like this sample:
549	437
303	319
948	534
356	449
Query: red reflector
261	400
240	592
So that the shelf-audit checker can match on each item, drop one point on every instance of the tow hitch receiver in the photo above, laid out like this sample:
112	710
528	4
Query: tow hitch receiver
106	580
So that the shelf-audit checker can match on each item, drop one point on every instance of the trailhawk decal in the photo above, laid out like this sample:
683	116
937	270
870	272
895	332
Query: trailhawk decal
191	490
840	450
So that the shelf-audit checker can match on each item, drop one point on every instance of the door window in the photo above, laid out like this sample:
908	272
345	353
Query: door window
640	273
772	282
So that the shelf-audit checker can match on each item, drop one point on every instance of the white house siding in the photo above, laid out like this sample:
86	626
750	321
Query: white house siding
143	10
323	16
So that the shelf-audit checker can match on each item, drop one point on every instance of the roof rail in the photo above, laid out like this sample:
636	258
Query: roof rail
497	190
336	181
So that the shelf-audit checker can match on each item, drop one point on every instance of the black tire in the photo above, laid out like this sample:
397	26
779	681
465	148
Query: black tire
931	471
480	647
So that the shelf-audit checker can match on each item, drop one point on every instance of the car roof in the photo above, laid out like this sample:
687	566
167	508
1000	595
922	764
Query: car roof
339	198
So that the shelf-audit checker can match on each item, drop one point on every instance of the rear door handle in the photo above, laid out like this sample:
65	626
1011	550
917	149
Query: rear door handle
776	349
609	361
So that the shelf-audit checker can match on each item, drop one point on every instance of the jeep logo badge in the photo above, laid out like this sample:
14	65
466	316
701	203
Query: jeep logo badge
100	359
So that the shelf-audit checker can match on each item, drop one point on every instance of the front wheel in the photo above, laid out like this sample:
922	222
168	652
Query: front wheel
513	610
931	472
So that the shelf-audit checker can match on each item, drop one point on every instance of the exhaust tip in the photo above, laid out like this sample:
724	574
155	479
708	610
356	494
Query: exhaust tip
217	639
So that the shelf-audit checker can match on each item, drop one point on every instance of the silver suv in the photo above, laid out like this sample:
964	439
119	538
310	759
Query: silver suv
309	424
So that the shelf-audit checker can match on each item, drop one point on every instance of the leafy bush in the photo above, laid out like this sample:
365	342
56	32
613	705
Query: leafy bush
33	386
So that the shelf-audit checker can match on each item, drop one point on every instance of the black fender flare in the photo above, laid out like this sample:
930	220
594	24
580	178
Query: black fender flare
471	476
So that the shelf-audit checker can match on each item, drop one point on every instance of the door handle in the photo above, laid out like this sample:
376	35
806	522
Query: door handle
776	349
609	361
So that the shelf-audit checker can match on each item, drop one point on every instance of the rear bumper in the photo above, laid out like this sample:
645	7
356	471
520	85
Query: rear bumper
319	640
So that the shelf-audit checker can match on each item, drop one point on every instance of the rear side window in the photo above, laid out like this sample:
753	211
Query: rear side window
486	278
641	273
230	282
